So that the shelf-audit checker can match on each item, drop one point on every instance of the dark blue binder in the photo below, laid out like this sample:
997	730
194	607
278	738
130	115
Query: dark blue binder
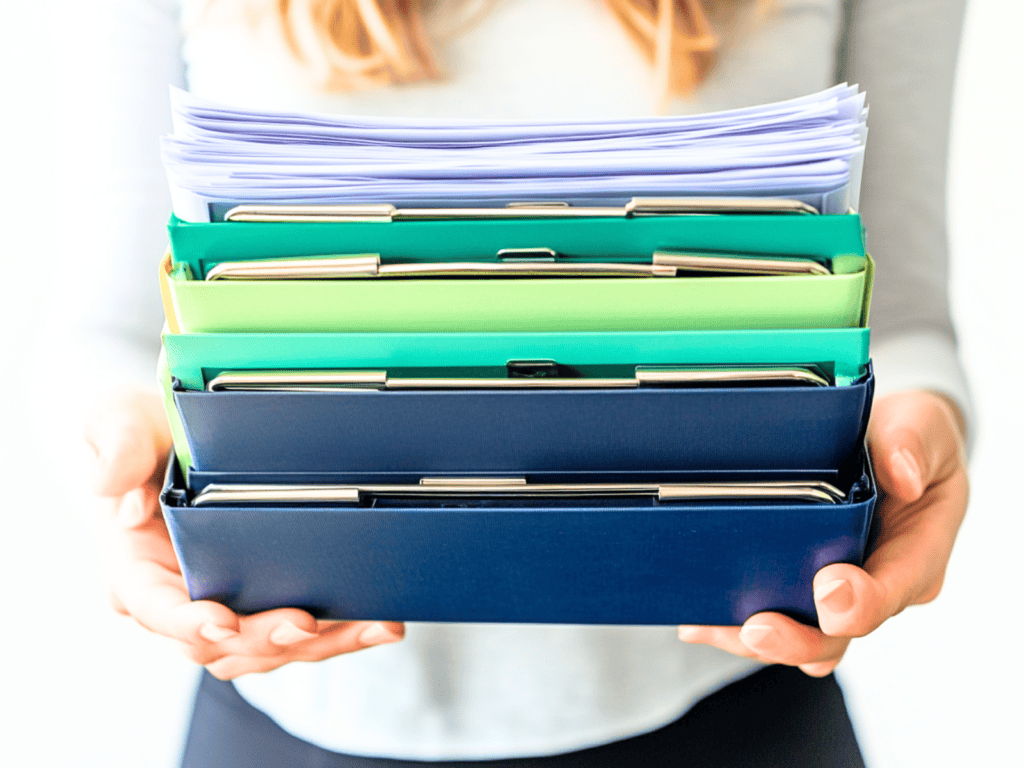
522	431
610	561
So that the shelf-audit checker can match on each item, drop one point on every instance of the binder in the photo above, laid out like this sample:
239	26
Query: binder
591	561
204	245
838	300
454	431
194	359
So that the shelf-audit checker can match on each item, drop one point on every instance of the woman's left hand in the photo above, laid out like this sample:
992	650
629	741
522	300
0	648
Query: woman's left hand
916	444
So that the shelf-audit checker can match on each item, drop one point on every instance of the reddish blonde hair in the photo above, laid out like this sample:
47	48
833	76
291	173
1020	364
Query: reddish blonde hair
357	44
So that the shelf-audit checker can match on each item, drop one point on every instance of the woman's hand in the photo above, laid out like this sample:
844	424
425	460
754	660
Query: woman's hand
129	436
916	444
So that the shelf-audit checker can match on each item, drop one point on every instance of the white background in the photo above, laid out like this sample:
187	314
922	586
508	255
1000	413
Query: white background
938	686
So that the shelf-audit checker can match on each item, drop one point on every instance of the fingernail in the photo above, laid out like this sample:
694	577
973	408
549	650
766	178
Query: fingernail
213	633
837	596
905	461
132	511
287	633
377	634
688	633
760	637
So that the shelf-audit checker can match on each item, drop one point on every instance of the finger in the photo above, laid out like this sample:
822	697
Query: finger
267	633
724	638
350	636
135	509
155	596
203	653
343	637
130	438
252	641
760	639
779	639
270	632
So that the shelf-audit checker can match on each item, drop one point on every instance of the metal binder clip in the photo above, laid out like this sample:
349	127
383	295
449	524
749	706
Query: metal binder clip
297	269
497	482
710	263
653	206
540	369
553	209
529	255
538	204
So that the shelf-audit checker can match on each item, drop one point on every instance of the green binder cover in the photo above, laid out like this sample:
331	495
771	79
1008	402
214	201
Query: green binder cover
196	358
202	246
521	305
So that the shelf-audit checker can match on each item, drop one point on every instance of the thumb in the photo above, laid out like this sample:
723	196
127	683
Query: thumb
910	437
129	437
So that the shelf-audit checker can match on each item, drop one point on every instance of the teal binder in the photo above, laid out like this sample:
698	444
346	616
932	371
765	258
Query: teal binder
195	358
204	245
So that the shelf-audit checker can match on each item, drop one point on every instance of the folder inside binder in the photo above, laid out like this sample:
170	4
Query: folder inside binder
203	246
638	206
563	378
507	488
515	263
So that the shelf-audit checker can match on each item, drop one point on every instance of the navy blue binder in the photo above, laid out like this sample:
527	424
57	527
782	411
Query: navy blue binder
598	561
522	431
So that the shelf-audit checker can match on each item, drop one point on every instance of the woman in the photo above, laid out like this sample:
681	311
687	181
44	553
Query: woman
470	693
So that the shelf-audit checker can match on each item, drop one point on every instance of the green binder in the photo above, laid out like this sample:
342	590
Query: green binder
194	359
204	245
837	300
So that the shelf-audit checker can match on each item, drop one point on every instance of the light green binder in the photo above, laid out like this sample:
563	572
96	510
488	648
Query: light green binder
181	450
838	300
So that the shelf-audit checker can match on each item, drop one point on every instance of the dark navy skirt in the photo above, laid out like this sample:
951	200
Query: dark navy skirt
775	717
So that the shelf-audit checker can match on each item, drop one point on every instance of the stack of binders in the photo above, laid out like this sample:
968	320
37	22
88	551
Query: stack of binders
595	373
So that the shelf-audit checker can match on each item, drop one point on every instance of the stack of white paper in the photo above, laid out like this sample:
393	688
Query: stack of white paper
810	149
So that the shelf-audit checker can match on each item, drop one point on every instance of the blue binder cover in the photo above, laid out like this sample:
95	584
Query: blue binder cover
613	561
522	431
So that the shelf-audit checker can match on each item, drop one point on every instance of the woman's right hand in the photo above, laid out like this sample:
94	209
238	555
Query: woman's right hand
130	440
